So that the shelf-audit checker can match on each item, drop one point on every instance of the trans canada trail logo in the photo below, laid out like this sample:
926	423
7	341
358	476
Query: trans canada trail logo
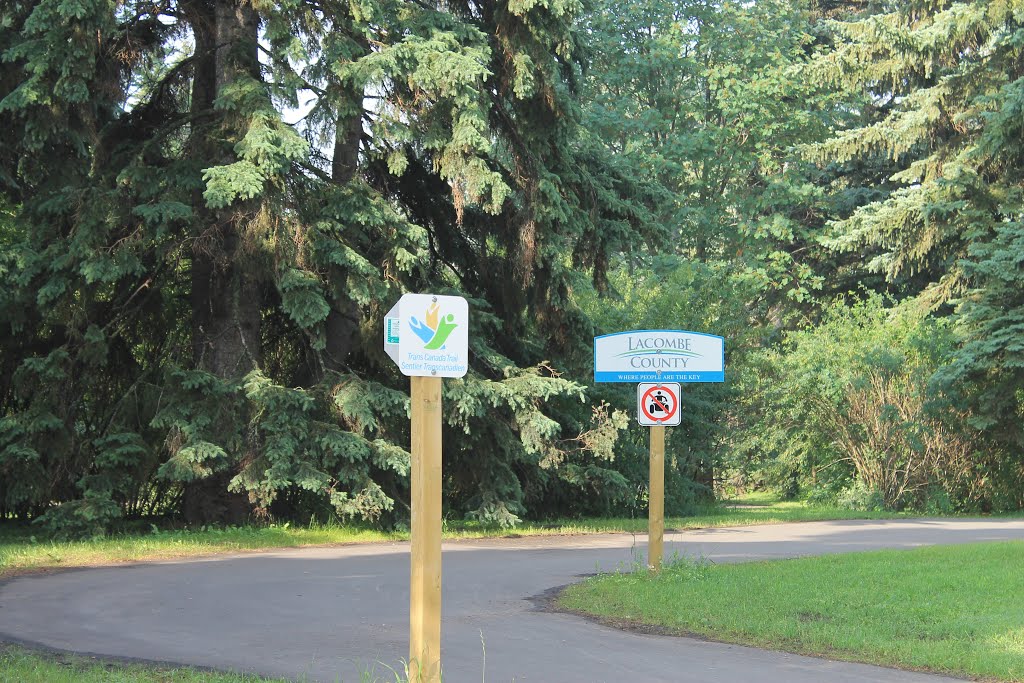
435	329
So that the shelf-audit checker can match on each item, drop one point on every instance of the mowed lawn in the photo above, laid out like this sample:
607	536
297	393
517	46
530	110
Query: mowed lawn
19	665
952	609
25	549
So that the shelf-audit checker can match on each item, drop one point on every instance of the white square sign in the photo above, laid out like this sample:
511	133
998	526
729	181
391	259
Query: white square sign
427	335
657	403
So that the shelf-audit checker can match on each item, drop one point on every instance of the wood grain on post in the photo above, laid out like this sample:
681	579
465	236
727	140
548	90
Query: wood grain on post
656	499
425	584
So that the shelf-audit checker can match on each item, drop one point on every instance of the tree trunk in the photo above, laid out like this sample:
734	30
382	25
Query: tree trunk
226	294
344	317
346	139
226	297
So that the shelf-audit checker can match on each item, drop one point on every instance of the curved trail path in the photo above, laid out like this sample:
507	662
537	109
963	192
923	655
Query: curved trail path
327	614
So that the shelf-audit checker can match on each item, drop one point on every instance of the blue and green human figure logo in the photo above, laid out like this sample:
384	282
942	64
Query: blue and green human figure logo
435	329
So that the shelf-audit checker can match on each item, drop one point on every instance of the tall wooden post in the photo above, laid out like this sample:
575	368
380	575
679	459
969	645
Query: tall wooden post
425	585
656	499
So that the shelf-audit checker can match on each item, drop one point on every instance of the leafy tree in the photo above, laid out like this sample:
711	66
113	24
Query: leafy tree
846	405
701	97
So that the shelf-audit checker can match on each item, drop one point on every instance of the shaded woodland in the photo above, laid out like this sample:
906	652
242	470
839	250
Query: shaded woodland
207	206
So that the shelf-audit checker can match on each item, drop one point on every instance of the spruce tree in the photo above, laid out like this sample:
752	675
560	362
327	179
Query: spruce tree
935	72
946	79
214	202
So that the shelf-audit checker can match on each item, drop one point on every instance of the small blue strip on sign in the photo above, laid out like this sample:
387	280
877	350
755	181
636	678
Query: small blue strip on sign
392	326
700	376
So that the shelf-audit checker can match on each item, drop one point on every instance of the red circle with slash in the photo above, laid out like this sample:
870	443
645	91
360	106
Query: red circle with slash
668	413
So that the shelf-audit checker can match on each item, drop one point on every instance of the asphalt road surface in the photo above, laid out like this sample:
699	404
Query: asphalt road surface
333	614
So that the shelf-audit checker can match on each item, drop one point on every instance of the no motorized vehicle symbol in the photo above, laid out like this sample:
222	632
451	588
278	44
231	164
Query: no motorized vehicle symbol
658	404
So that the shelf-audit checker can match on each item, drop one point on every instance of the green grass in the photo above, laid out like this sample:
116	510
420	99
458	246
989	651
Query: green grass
756	498
21	550
23	665
952	609
19	665
25	550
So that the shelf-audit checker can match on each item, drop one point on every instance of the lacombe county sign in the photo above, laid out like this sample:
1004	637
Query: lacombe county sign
659	355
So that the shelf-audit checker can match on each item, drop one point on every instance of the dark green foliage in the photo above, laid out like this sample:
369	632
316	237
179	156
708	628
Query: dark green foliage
192	291
988	374
944	81
992	359
701	98
207	206
847	412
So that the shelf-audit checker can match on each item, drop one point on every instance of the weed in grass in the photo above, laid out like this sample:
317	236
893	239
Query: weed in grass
685	568
371	676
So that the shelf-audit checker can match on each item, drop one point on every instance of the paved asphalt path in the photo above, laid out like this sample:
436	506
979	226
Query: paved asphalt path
328	614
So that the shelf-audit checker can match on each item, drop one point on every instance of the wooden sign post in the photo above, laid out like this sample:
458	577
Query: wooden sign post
656	499
659	360
427	336
657	407
425	583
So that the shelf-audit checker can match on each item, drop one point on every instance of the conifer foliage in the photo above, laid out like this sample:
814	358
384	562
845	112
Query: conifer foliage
946	80
207	207
940	76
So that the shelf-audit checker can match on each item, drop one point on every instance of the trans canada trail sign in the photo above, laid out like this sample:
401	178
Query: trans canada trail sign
427	335
659	355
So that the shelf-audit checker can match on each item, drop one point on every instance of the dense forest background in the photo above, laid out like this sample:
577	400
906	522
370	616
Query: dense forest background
206	207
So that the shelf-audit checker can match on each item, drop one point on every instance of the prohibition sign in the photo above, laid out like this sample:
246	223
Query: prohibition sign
659	404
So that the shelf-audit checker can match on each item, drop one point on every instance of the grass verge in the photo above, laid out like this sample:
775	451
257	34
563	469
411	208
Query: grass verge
950	609
22	550
24	665
20	665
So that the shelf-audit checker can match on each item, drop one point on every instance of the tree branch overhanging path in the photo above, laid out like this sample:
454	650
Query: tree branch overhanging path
329	613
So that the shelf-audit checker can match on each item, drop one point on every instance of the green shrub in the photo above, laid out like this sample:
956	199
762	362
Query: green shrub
847	405
860	496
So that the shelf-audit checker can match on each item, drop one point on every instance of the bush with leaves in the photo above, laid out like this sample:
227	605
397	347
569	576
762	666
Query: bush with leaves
847	406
